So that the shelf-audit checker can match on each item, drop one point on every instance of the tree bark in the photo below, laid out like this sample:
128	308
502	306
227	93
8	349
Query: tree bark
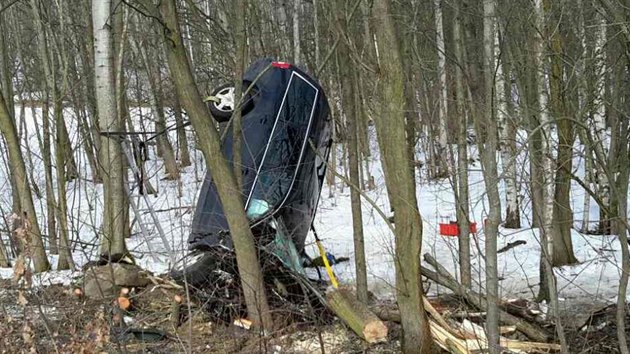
439	164
347	80
111	154
390	125
16	160
182	140
463	212
223	175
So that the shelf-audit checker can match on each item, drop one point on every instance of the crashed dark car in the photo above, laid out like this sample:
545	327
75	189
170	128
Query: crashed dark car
286	138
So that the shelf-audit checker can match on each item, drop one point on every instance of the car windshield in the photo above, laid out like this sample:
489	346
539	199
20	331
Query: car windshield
285	149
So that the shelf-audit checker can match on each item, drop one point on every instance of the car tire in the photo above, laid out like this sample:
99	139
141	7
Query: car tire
222	101
195	269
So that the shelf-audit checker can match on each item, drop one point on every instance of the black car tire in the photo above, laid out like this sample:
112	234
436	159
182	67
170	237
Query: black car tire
196	270
222	105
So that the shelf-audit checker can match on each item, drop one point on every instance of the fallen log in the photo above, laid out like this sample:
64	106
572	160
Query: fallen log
356	315
443	277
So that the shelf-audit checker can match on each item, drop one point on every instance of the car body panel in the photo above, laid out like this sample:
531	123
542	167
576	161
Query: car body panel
282	173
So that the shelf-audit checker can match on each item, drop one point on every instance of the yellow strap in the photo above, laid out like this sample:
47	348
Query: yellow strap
329	270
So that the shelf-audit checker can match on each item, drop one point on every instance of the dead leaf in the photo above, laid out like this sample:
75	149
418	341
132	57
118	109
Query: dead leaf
27	334
22	299
19	268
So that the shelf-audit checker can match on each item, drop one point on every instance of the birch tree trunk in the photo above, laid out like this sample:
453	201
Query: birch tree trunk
111	155
599	124
390	125
507	136
439	160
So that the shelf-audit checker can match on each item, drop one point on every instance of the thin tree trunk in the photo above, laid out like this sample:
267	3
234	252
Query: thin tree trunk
490	174
562	214
507	137
240	38
621	226
182	140
463	212
36	246
390	126
6	82
599	123
296	32
4	259
439	165
223	175
348	79
65	254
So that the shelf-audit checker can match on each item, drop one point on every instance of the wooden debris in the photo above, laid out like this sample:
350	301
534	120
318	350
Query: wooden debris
243	323
356	315
443	277
123	300
175	310
507	329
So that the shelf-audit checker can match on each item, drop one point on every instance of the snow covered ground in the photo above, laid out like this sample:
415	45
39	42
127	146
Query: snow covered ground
595	278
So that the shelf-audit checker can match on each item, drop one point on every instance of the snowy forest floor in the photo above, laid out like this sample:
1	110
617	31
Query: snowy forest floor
587	285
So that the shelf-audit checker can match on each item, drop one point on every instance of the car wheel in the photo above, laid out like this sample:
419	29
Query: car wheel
222	101
194	268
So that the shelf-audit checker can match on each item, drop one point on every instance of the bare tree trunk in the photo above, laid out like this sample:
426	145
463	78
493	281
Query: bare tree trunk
439	164
4	259
548	31
390	126
65	254
51	83
182	140
223	175
623	176
296	32
490	175
112	240
599	123
463	212
36	246
240	38
6	82
157	106
562	213
507	137
348	79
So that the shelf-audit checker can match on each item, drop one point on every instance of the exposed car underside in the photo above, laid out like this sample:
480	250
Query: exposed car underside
286	137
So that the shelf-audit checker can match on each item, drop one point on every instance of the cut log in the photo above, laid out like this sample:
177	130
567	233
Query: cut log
443	277
356	315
